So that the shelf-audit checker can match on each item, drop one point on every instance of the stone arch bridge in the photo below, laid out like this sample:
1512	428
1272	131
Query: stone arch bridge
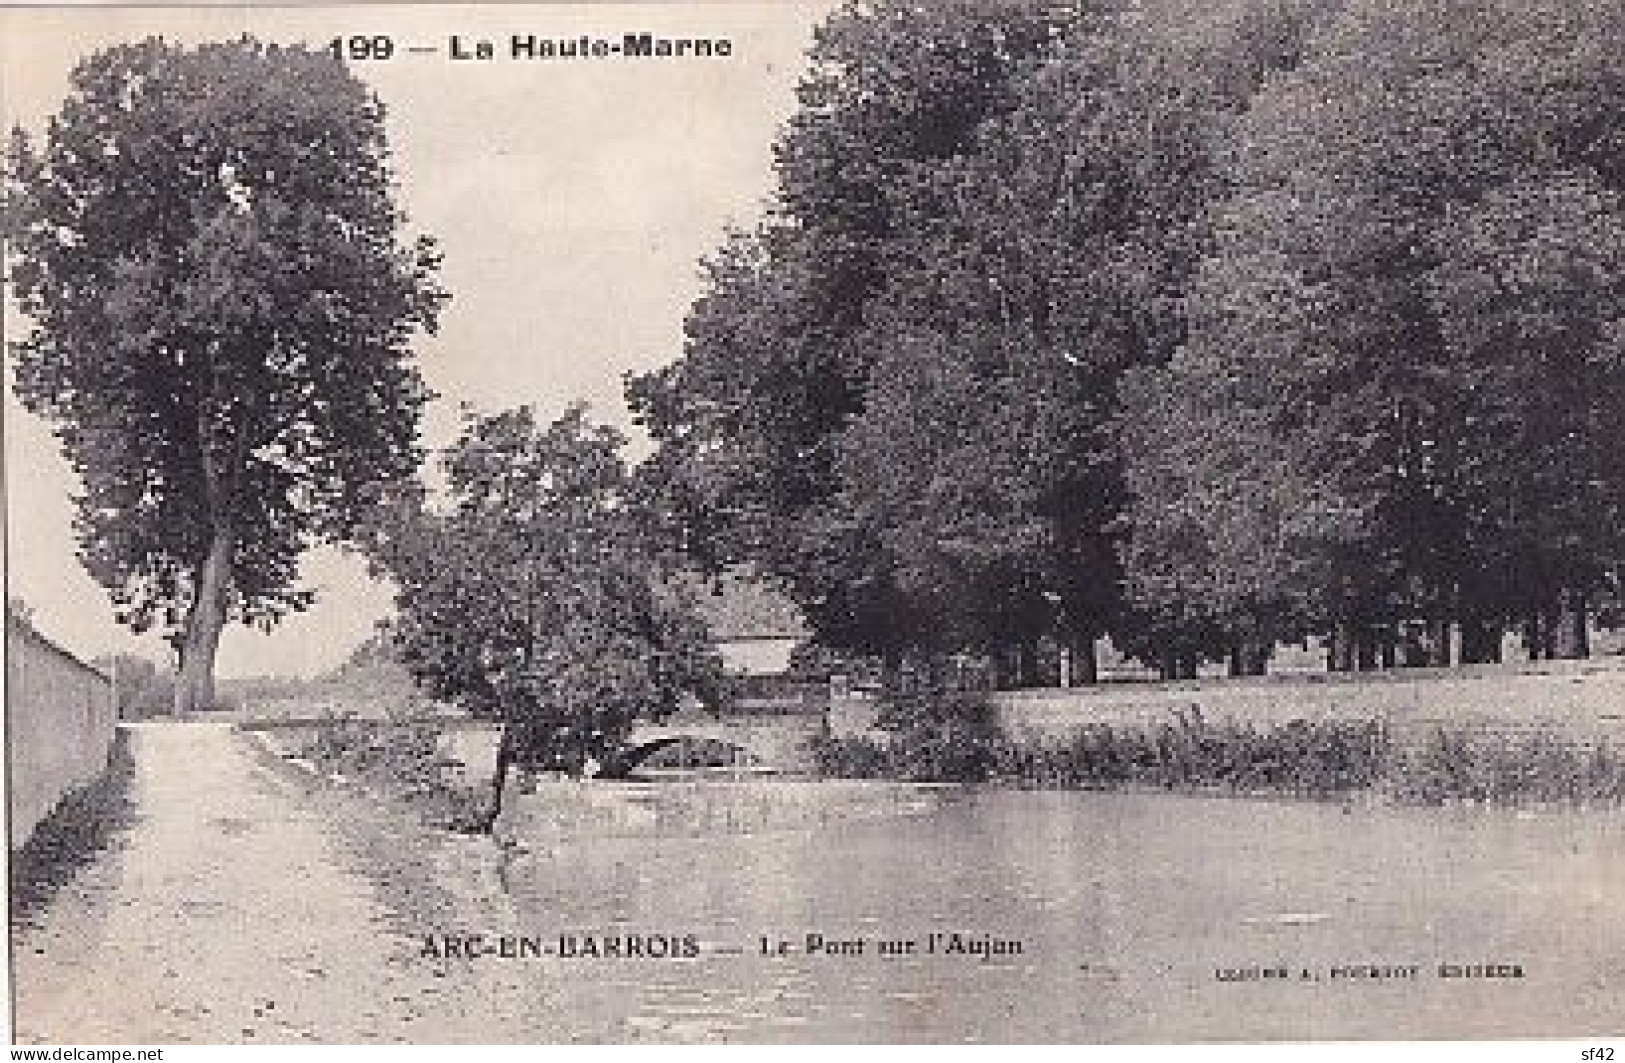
777	743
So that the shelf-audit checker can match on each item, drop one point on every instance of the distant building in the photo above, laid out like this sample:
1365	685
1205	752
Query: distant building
755	627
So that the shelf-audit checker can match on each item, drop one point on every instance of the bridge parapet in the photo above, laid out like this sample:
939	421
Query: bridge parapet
779	742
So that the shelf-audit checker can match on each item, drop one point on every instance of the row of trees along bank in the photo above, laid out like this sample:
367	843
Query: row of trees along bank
1201	329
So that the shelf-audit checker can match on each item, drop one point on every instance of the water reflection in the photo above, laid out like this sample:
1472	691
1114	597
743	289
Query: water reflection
1123	907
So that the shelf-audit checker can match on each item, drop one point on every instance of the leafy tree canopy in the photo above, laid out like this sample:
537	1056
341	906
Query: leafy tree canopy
895	397
538	595
206	243
1414	294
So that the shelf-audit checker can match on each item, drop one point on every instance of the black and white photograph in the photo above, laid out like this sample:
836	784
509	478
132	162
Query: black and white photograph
830	522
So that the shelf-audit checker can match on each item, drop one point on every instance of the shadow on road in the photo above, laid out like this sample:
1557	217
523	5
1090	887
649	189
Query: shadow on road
82	826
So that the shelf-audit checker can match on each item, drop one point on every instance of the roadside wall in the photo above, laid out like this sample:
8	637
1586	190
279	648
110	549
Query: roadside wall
60	719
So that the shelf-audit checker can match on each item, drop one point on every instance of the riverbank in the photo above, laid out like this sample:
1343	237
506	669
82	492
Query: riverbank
406	763
1512	739
1556	734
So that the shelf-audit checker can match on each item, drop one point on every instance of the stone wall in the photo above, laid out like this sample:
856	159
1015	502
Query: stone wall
60	719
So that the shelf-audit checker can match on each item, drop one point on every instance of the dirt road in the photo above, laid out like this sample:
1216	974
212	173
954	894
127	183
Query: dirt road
243	904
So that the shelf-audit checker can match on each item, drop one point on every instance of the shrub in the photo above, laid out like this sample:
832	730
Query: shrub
849	756
402	760
955	737
942	736
1539	766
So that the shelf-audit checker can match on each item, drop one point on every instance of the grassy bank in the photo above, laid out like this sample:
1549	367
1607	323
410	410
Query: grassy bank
957	738
402	762
964	737
1543	765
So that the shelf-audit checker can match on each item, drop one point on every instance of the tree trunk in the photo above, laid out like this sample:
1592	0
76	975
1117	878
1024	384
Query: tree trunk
1534	636
1548	625
1023	666
1570	639
194	686
1032	674
499	779
1415	645
1480	641
891	675
1248	658
1342	654
1365	649
1438	642
998	667
1082	667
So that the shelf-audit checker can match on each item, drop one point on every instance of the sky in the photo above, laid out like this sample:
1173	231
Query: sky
573	201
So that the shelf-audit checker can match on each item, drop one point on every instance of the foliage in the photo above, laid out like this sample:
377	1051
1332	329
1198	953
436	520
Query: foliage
858	756
775	356
1538	766
777	352
144	688
401	759
1409	325
206	245
896	396
1229	540
943	736
930	734
1300	318
933	736
538	595
1187	753
1190	753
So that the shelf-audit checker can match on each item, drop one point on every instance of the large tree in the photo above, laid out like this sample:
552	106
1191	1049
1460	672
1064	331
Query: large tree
1530	294
1046	261
896	396
540	595
1415	296
207	244
778	352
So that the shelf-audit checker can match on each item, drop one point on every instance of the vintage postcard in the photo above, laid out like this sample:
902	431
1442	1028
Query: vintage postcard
845	521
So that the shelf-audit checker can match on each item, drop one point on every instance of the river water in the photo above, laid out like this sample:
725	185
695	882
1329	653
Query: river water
1079	916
